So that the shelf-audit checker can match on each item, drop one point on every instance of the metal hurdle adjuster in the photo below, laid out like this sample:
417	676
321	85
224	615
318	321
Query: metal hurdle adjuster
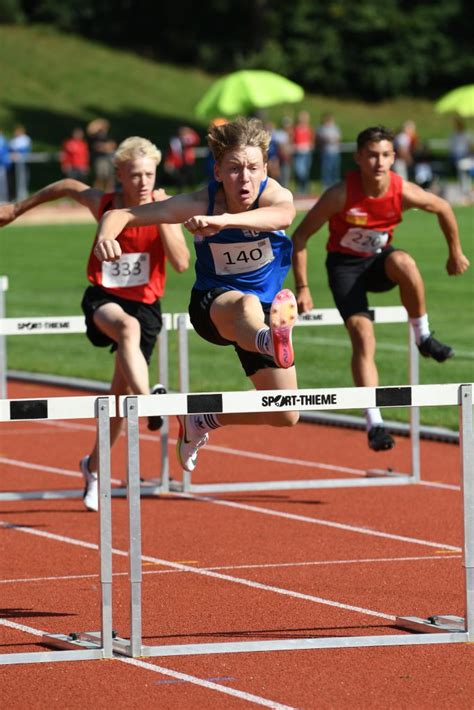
92	644
434	630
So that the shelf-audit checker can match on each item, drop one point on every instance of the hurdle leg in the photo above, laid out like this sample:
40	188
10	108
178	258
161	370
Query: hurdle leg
183	346
414	375
133	646
163	370
93	640
449	623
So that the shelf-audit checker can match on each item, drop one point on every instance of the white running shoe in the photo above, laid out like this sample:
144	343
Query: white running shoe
283	314
187	447
91	488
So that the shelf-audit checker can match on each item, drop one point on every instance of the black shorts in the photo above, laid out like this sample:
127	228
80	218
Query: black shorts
147	314
199	313
351	277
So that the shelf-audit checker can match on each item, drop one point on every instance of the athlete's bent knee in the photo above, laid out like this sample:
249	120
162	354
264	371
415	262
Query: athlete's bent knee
284	419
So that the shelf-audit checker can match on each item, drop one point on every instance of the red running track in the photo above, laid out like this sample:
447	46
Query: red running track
232	567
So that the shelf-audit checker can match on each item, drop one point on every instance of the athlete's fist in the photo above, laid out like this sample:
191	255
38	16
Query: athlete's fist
108	250
7	213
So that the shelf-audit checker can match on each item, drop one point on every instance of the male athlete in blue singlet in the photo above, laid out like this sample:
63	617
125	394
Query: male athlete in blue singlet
242	258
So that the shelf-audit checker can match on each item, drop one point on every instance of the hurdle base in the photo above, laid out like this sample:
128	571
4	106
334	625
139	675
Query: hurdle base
387	473
90	640
433	624
124	647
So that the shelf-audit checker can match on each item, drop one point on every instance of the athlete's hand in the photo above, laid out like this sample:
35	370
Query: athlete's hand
204	226
457	264
7	213
108	250
304	300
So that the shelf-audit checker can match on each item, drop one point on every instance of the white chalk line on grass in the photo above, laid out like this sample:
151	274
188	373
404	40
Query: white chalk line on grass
271	565
204	572
185	677
388	347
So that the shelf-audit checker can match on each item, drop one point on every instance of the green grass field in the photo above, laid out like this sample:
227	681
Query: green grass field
46	270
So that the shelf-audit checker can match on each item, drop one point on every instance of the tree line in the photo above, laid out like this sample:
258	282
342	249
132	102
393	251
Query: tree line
363	49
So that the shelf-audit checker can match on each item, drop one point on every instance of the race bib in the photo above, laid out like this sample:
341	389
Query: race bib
367	241
129	270
242	257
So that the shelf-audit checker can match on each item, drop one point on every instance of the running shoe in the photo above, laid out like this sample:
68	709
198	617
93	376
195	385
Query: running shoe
187	446
91	488
380	439
156	422
430	347
283	314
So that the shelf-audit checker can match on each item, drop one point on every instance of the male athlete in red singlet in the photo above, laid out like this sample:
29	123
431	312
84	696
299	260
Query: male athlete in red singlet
122	304
362	213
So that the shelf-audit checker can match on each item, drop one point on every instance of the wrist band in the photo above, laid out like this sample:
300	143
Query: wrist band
298	288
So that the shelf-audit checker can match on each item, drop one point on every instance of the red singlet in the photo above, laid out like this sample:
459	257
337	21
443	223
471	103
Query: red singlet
139	274
365	226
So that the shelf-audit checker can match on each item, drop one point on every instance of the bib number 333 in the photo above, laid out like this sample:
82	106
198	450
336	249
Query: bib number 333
129	270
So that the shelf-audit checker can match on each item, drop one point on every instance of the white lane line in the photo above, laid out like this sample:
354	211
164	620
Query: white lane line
209	685
249	697
324	523
47	469
271	565
204	572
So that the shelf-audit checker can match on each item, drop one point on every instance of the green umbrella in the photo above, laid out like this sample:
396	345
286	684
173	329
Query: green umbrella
460	101
244	91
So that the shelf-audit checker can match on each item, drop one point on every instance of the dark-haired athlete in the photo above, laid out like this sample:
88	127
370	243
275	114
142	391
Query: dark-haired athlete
362	212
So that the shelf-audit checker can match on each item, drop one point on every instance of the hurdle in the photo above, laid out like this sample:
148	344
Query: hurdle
436	629
56	325
374	477
87	645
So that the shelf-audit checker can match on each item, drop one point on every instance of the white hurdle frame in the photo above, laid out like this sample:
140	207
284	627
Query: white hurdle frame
92	644
374	477
57	325
434	630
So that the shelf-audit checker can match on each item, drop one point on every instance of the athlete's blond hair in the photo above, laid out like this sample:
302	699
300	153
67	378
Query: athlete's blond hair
241	133
136	147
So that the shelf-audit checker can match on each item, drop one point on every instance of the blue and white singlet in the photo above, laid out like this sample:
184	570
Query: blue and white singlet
242	260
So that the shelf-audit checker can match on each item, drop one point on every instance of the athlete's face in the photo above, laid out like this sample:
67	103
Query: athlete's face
375	159
138	179
241	172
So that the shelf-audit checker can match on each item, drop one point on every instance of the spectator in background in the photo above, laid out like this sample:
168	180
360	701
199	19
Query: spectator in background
328	143
283	139
102	148
460	145
405	144
303	145
19	147
180	158
74	156
273	165
4	165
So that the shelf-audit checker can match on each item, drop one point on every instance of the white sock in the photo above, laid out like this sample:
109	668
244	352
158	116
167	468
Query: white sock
421	328
200	424
373	417
263	341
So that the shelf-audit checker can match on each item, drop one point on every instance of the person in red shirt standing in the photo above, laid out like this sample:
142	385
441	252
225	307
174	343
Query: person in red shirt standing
362	212
74	156
303	146
122	303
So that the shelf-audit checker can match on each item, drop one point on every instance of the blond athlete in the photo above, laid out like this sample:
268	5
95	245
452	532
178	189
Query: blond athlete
242	258
122	304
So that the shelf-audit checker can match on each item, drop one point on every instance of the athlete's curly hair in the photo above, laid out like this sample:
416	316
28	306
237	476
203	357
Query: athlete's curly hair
136	147
240	133
374	134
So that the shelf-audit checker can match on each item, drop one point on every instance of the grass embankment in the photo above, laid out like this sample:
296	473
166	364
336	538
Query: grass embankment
46	269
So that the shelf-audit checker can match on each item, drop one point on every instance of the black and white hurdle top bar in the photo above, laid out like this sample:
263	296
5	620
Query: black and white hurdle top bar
52	408
303	399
